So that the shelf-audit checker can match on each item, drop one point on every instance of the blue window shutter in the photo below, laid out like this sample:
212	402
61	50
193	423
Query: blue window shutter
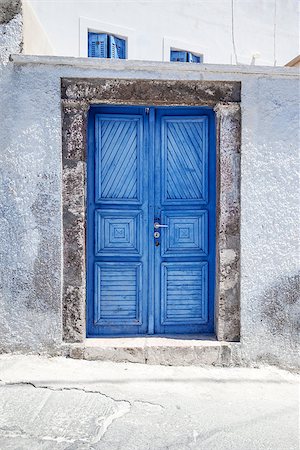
117	48
178	56
97	45
193	58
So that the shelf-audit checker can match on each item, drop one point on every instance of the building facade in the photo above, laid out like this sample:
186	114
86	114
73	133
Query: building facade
256	32
96	155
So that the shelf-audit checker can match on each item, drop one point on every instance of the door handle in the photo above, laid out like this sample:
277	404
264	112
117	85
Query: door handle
158	225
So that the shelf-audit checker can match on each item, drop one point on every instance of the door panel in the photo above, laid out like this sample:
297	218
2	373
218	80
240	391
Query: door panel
186	233
117	232
185	206
118	288
184	293
118	166
147	166
117	223
184	159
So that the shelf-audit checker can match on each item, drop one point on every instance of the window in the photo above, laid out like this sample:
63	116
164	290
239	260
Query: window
184	56
102	45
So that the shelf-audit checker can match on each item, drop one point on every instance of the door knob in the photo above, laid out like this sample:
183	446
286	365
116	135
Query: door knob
158	225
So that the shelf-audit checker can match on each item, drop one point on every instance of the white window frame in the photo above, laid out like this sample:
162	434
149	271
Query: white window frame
190	47
87	25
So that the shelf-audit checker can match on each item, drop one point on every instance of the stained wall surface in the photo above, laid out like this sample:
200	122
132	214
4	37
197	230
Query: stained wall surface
31	200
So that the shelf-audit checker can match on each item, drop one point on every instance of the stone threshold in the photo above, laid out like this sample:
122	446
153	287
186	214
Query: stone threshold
186	350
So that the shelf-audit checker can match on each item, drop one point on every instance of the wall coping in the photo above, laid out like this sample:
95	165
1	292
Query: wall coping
110	64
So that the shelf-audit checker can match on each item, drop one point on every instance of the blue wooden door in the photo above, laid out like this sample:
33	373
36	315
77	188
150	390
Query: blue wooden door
150	221
185	207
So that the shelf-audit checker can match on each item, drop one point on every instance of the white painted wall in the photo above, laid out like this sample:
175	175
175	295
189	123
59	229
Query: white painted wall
35	39
31	208
262	32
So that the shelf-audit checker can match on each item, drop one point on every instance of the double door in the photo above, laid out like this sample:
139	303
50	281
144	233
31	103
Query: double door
150	221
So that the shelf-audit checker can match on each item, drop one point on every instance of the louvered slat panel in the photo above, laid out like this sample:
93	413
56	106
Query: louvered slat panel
194	58
117	292
184	293
97	45
178	55
117	48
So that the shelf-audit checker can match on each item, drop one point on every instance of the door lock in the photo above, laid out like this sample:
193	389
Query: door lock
156	234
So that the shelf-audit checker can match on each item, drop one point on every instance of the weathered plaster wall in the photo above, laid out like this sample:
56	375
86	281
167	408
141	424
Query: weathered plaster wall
270	221
31	205
11	29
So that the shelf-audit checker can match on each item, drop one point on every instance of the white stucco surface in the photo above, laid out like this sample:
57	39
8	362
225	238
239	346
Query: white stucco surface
260	32
31	208
31	205
11	38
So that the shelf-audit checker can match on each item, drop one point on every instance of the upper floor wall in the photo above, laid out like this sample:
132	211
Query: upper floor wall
261	32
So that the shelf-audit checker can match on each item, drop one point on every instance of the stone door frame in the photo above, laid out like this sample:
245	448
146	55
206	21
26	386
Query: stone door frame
224	97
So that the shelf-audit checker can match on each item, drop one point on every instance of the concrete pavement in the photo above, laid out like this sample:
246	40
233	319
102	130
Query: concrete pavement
65	404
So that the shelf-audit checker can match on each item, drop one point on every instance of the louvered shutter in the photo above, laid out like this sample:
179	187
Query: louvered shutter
193	58
178	56
97	45
117	47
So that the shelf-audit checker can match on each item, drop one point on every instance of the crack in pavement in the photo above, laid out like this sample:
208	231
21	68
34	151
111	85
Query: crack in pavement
87	391
103	423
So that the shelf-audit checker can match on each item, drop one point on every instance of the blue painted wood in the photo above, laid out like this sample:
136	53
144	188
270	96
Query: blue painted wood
185	190
117	48
194	58
178	55
184	56
117	294
97	45
117	222
118	169
146	166
184	294
184	159
117	232
102	45
187	233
